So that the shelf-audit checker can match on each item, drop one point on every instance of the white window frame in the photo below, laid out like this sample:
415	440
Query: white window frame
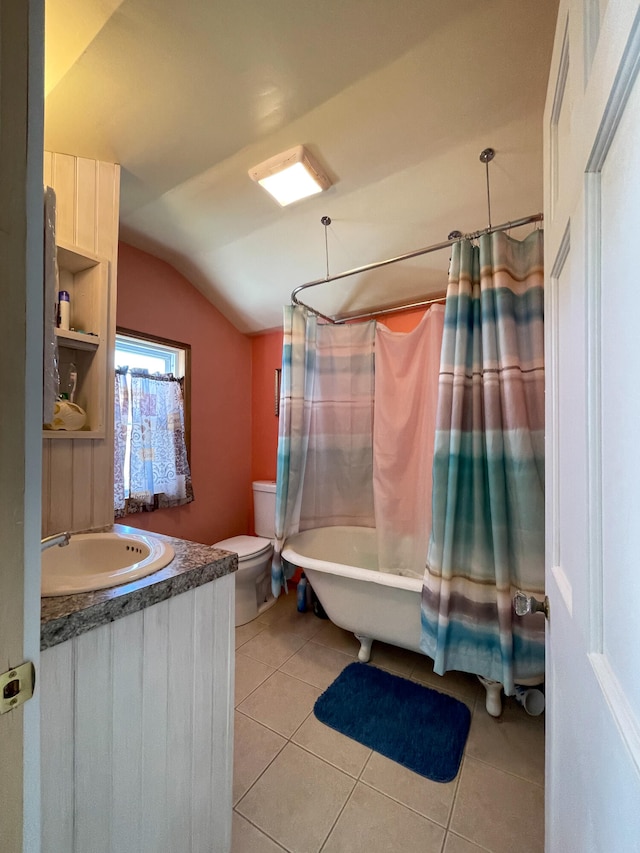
172	354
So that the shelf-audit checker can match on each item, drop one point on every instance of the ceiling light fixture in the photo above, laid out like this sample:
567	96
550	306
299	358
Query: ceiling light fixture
290	176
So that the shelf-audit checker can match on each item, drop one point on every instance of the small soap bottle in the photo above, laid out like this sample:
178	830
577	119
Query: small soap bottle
73	382
64	311
302	594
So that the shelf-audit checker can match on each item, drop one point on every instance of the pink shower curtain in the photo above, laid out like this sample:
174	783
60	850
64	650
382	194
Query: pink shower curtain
406	395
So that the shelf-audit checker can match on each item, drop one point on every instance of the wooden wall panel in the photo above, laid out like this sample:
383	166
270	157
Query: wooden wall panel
63	181
77	481
86	219
108	212
57	697
203	804
137	731
61	481
47	168
93	738
155	766
126	692
83	489
222	732
181	678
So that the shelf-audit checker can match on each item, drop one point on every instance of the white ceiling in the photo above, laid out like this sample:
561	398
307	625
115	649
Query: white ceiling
396	99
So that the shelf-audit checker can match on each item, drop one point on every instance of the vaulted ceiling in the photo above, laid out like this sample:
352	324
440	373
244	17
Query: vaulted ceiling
395	98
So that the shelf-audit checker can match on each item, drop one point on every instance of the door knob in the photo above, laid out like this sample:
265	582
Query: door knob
524	604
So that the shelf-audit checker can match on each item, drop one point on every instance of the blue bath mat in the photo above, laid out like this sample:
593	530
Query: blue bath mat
419	728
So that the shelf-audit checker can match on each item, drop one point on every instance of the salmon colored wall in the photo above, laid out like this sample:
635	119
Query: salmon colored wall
154	298
266	356
403	321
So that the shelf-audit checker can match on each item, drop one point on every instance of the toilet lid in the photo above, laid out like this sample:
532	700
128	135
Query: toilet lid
245	546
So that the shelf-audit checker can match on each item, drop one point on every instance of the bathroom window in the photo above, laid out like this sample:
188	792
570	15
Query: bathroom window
152	354
152	423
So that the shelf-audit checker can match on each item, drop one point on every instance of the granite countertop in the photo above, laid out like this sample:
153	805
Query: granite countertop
66	616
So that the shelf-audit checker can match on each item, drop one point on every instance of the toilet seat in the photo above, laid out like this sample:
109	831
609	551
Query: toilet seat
246	547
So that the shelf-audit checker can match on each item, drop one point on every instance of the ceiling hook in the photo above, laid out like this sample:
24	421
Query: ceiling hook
486	156
326	221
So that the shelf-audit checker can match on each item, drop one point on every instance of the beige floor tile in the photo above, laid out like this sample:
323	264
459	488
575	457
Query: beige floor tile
245	838
390	808
512	742
345	754
285	604
498	811
399	661
337	638
460	684
372	823
246	632
431	799
303	624
455	844
316	664
273	647
255	747
297	800
249	674
281	703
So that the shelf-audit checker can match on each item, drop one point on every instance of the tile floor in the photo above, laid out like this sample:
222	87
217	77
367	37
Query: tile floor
304	788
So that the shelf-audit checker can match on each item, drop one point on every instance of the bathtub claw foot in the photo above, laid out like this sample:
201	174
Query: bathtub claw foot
365	647
494	697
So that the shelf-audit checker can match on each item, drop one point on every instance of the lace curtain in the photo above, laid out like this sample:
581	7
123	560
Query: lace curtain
151	467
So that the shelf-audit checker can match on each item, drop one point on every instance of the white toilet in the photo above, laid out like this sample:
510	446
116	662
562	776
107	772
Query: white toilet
253	578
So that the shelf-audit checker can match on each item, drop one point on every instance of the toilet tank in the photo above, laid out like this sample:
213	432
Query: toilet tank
264	507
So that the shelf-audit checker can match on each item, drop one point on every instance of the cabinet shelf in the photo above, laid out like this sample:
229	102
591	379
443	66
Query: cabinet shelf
75	260
78	433
86	278
77	340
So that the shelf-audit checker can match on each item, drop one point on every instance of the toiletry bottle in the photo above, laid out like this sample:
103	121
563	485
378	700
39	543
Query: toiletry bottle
72	382
64	312
68	382
302	594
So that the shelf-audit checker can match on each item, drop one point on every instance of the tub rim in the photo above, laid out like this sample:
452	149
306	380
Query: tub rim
343	569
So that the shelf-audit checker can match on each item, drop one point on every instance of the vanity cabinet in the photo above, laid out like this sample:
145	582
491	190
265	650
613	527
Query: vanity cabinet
85	277
137	730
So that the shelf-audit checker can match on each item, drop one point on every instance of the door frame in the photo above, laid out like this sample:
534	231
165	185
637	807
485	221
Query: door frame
21	219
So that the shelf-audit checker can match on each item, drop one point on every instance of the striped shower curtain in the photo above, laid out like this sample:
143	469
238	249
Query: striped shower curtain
488	477
325	436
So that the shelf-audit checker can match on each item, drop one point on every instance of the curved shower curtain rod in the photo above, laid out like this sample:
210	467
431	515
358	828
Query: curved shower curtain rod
455	236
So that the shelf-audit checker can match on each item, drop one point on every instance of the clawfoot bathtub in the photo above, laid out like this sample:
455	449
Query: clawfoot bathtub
342	566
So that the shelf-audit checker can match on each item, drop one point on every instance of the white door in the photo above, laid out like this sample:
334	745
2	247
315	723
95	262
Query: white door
21	99
592	319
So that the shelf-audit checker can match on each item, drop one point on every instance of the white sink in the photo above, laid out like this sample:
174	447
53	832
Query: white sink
100	560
